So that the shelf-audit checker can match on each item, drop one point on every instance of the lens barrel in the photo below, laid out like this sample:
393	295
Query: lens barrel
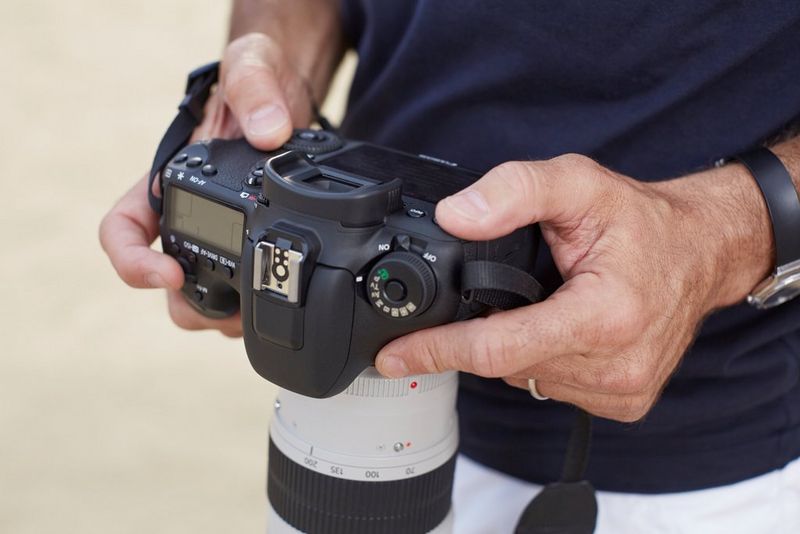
312	502
378	458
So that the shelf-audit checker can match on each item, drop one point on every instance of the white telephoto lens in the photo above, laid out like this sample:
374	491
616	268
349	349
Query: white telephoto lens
378	457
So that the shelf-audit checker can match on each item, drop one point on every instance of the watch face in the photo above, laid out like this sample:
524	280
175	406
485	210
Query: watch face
779	298
782	286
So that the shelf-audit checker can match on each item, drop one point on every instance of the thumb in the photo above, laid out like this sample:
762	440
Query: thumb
251	89
517	193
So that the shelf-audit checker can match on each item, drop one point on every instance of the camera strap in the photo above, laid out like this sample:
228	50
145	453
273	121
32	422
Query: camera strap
190	115
568	506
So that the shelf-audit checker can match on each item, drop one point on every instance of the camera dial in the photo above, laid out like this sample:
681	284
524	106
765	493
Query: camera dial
401	285
314	141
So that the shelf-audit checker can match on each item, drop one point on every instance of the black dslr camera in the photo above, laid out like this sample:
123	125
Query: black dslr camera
328	247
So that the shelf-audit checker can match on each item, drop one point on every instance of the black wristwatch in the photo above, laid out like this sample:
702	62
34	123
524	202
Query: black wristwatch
783	204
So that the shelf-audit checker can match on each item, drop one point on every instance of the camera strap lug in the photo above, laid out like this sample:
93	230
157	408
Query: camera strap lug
499	285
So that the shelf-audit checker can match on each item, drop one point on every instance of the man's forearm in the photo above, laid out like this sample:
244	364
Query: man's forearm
308	33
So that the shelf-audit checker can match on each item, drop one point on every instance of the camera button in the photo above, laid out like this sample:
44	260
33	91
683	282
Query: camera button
198	296
184	263
194	162
228	272
255	176
210	265
174	248
416	213
188	275
209	170
192	257
181	158
395	290
309	135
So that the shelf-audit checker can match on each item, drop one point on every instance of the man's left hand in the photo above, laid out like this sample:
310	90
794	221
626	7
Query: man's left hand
643	264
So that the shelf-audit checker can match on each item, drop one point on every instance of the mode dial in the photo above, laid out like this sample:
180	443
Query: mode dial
401	284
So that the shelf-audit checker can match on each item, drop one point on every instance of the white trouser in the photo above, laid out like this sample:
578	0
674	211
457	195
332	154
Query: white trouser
489	502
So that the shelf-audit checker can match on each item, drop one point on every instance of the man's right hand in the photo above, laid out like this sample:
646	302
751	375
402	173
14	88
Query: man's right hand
261	96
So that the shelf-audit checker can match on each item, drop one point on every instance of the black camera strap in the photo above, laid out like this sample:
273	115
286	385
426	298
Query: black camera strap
568	506
190	115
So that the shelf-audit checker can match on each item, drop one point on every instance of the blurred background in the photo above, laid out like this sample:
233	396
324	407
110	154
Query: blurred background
111	419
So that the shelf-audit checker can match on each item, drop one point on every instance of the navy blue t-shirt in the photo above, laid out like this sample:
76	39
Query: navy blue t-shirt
650	89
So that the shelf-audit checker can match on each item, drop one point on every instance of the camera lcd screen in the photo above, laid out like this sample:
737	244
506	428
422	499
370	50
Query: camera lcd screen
205	220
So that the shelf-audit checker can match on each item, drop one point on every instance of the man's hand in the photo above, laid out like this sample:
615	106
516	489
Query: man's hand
643	265
261	95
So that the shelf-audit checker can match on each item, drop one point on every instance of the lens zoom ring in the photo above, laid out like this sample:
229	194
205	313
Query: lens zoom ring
320	504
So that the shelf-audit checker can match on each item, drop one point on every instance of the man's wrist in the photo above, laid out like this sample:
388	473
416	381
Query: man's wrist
725	224
789	154
732	219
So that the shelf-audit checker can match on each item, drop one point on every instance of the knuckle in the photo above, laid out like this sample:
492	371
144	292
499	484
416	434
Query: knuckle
517	177
639	377
424	349
481	357
132	269
430	359
626	376
236	82
591	378
632	409
602	184
555	371
132	274
571	161
249	45
624	322
493	352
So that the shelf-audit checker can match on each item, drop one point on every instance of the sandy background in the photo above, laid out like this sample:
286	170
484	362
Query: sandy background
111	419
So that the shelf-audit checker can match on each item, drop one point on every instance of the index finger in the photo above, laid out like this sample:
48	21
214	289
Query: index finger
126	233
503	343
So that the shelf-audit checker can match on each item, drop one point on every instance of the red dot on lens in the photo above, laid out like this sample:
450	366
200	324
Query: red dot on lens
413	385
408	444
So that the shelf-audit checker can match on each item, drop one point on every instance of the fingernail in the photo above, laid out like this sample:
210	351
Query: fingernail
469	204
266	120
155	280
392	367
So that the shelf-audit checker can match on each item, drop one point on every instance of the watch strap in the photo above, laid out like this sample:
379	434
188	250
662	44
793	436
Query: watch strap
782	201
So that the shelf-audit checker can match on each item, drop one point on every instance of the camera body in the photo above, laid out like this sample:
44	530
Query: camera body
328	247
